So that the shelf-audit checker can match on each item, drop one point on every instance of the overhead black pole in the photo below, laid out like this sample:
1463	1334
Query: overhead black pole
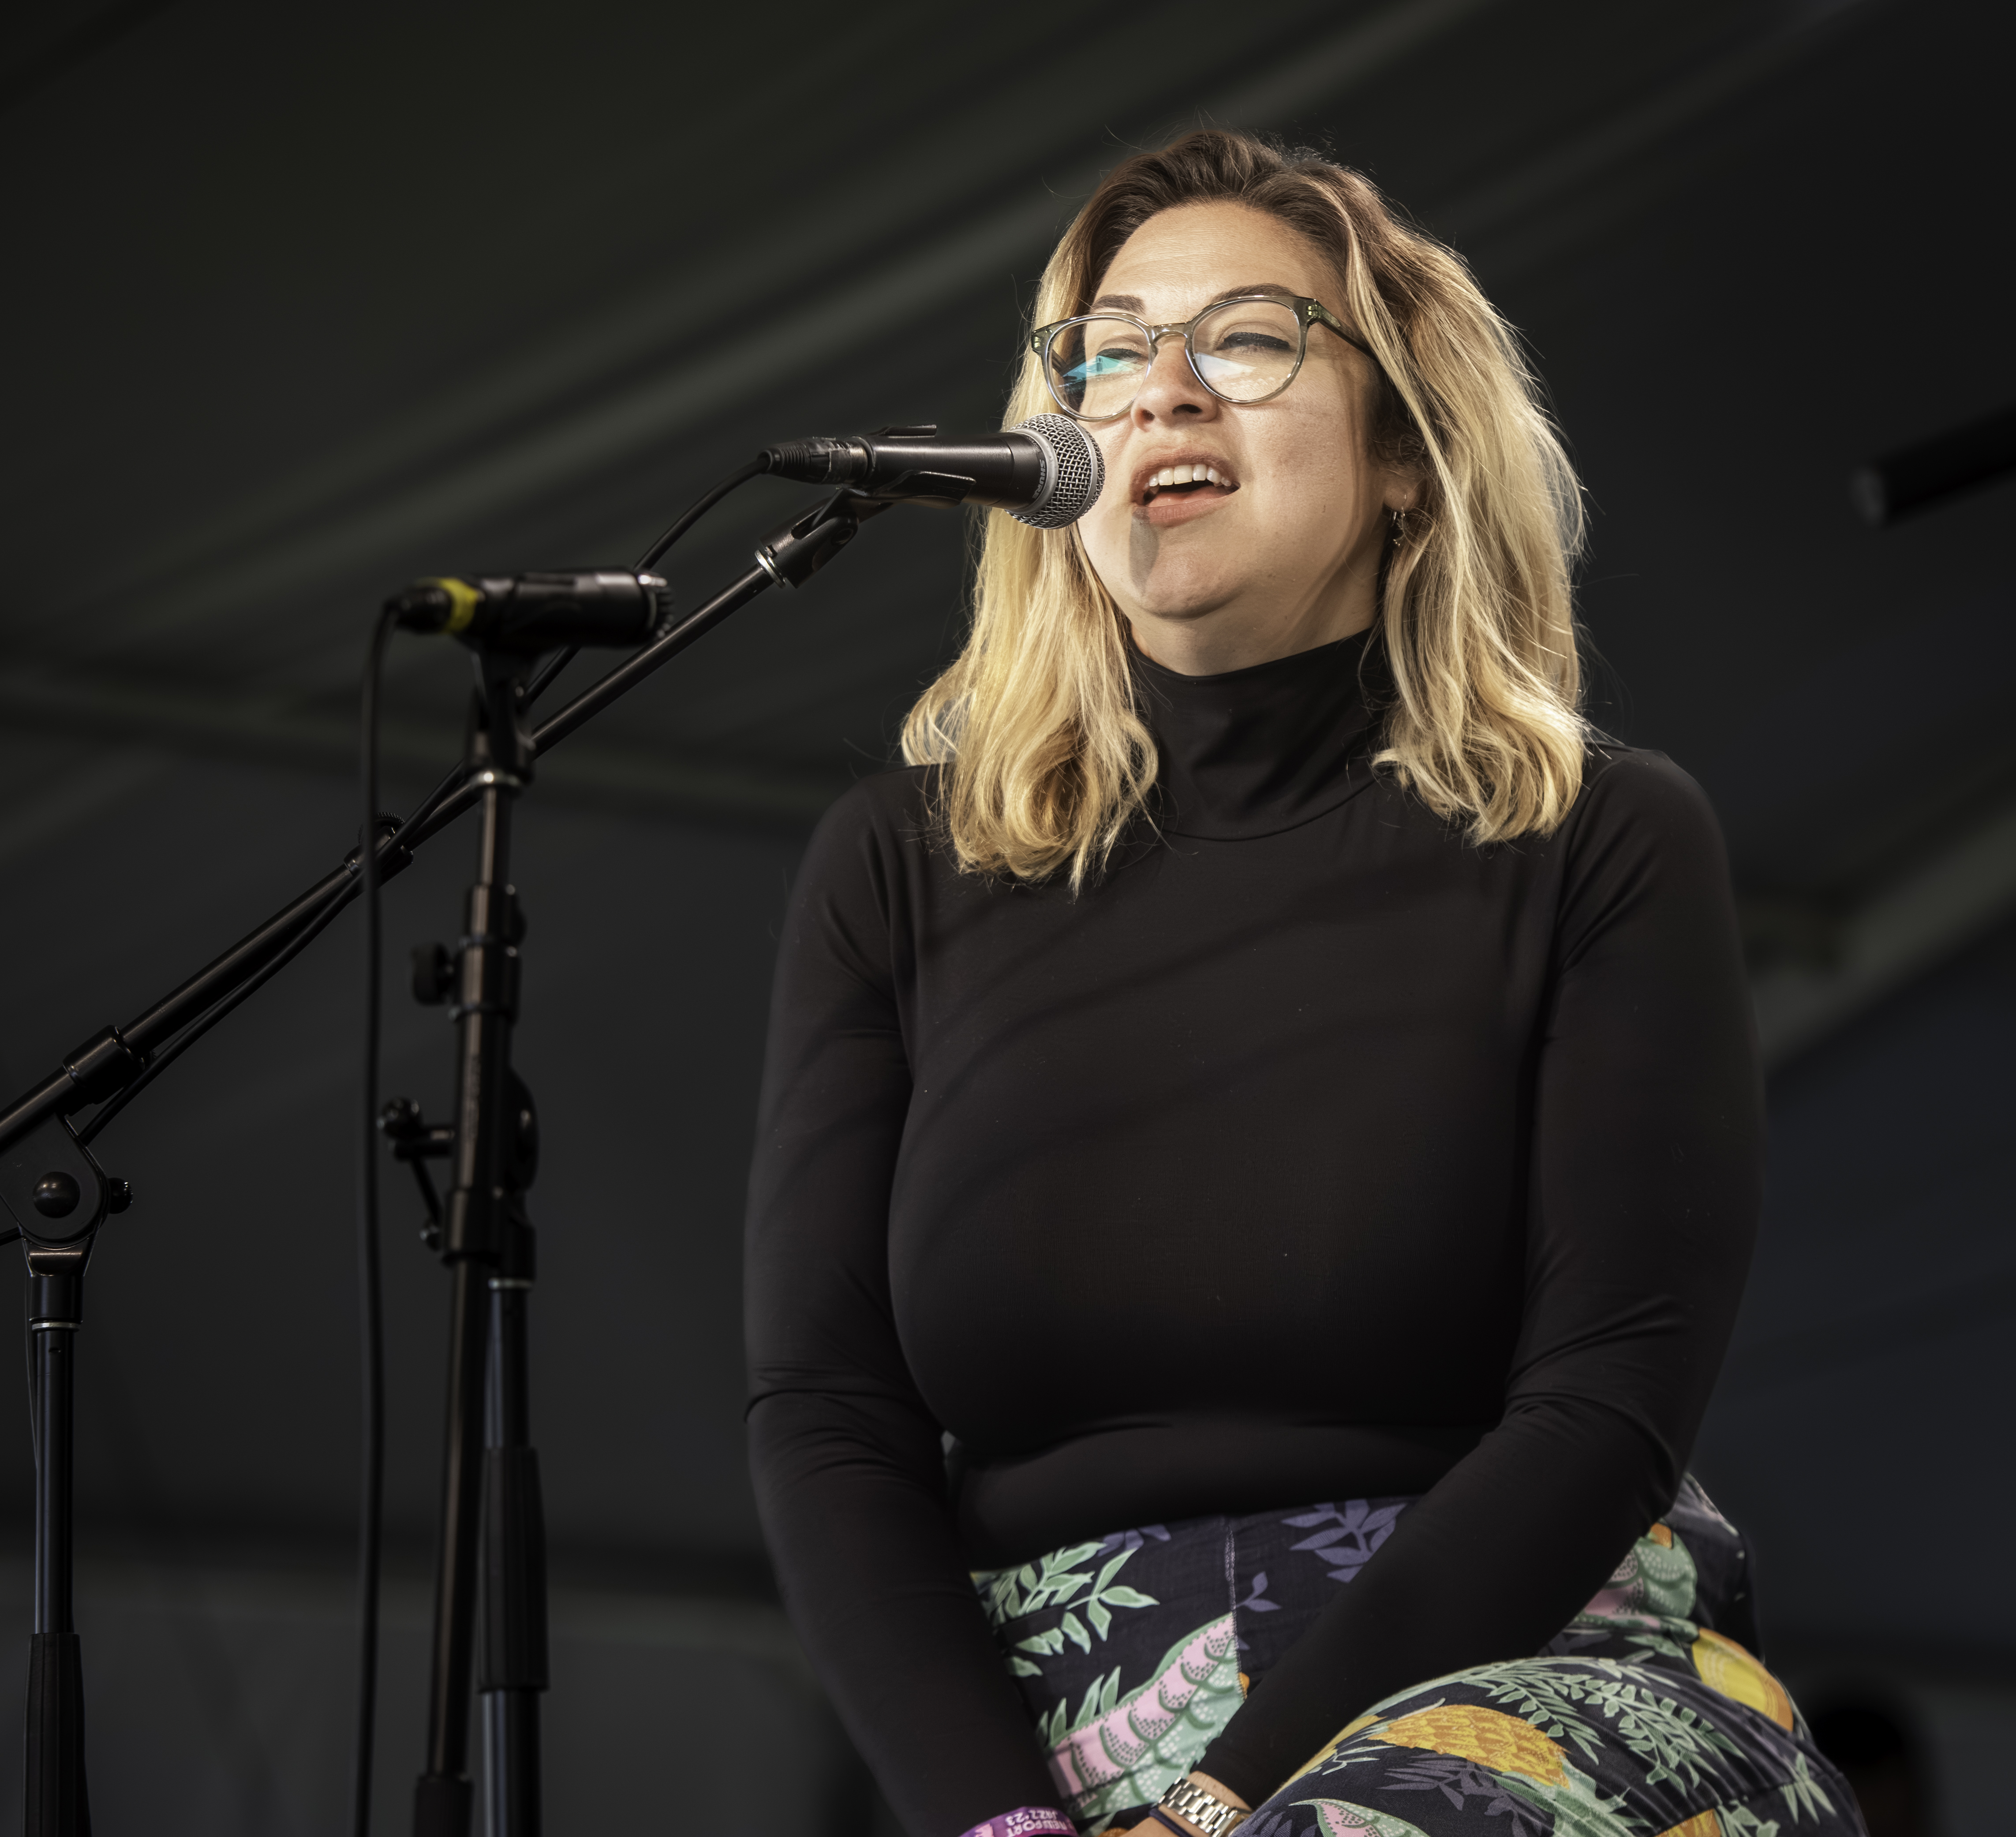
1913	479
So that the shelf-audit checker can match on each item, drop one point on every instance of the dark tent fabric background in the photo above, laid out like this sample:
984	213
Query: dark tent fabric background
306	300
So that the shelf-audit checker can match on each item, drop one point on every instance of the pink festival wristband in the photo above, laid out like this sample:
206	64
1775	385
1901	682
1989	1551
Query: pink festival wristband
1026	1820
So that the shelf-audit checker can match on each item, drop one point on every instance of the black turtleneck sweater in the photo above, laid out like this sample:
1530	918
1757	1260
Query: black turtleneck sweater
1313	1153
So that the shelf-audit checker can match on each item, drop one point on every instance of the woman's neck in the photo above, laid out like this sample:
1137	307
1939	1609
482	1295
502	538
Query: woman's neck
1251	751
1240	634
1202	646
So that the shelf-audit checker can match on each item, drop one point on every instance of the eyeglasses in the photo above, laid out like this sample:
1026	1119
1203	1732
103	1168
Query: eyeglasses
1245	349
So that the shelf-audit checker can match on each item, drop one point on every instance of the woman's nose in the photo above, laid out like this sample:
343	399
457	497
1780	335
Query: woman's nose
1171	391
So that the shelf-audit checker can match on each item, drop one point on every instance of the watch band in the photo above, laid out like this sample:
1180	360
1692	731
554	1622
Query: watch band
1211	1814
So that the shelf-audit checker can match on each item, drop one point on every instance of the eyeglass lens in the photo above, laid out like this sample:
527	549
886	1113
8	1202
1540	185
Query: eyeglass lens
1246	350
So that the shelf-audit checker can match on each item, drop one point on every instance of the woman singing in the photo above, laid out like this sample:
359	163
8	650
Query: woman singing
1260	1146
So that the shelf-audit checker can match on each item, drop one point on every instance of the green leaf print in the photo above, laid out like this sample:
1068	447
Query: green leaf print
1674	1641
1011	1594
1339	1817
1145	1746
1740	1820
1802	1792
1568	1701
1574	1808
1577	1808
1657	1578
1051	1582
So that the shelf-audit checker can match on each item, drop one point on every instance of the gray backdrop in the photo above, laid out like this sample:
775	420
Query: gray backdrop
307	299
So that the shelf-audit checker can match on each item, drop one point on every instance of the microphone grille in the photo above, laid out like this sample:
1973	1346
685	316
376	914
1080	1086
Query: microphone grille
1073	473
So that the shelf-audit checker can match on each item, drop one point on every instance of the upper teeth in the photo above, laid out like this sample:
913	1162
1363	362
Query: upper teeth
1185	475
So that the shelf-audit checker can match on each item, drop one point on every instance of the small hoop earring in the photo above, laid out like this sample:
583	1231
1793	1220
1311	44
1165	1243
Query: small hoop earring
1399	527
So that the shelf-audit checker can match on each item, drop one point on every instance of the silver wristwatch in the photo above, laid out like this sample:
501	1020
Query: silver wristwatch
1209	1813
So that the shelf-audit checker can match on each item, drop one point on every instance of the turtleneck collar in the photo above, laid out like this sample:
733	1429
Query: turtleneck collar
1254	751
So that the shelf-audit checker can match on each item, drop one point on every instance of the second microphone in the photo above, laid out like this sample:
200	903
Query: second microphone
1047	472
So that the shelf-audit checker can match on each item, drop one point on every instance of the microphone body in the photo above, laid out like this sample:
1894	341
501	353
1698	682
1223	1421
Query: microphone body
529	613
1047	472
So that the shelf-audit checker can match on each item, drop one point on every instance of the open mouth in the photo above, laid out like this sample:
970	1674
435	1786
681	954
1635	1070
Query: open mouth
1186	481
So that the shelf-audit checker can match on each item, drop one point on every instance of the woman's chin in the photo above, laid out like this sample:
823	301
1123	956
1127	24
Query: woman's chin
1169	607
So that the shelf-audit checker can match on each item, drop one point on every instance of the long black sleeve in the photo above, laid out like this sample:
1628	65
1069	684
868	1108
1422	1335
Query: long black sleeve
1646	1115
848	1461
1314	1153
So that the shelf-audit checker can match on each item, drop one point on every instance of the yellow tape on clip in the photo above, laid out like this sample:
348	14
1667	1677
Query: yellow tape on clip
466	598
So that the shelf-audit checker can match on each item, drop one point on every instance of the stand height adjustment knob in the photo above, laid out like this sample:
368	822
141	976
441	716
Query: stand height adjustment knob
433	974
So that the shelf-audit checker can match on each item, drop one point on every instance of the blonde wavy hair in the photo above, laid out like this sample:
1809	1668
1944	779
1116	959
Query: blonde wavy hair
1046	759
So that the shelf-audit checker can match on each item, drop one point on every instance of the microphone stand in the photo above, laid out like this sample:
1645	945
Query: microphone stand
57	1197
490	1479
69	1197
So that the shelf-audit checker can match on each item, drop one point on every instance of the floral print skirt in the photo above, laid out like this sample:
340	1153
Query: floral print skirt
1648	1717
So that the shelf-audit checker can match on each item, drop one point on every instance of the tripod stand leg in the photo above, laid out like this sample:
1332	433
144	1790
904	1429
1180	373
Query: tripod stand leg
57	1803
514	1566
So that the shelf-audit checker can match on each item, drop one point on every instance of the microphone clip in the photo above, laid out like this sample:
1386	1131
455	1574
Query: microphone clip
792	553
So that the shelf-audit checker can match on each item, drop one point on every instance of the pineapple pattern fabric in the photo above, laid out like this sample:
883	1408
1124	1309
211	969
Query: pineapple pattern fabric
1648	1716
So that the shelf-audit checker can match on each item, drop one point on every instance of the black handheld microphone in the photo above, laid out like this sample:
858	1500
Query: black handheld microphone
1047	472
534	613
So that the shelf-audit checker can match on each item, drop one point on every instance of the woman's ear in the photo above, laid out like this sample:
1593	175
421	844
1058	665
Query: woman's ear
1403	490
